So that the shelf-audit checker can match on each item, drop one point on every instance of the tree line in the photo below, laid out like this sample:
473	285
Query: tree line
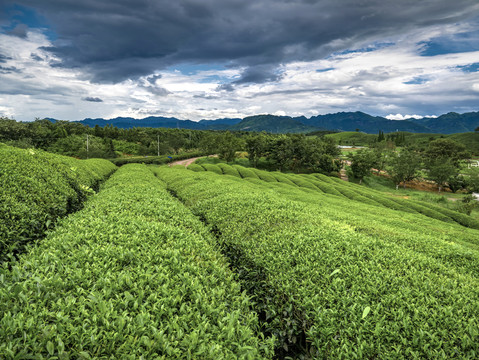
284	152
440	162
70	138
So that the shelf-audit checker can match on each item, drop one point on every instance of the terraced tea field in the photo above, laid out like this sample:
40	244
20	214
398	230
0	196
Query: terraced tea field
227	262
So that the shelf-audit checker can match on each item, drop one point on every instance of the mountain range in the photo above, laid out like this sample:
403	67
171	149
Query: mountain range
449	123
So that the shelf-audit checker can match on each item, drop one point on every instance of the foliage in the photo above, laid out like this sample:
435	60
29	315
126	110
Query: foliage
37	188
468	204
404	166
472	179
370	282
319	183
256	147
457	182
227	144
361	163
133	275
69	138
441	170
442	149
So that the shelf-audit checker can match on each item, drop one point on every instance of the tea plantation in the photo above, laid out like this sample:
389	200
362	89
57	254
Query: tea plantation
37	188
226	262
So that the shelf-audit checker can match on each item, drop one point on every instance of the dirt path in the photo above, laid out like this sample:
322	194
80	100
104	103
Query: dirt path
189	161
185	162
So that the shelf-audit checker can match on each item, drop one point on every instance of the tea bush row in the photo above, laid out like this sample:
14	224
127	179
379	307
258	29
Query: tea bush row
328	289
132	275
37	187
336	186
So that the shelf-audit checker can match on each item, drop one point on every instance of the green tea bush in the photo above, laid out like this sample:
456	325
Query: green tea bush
132	275
461	218
229	170
323	186
265	175
195	167
245	172
335	186
37	188
331	284
213	168
282	178
301	182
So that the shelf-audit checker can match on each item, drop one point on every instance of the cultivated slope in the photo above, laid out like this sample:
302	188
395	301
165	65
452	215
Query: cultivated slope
342	277
132	275
37	187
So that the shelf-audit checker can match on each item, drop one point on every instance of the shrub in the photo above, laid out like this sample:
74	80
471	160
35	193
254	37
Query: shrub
245	172
134	274
37	188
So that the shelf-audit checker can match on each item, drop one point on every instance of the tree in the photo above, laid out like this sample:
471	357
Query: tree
447	150
208	143
176	141
404	166
227	146
256	147
476	129
280	152
361	163
457	182
441	159
472	179
380	136
441	170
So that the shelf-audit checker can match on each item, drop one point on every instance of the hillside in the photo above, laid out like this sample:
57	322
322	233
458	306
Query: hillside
163	122
450	123
343	121
344	281
470	140
272	124
228	262
350	121
352	138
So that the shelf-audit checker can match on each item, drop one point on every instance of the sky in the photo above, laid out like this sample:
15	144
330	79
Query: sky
209	59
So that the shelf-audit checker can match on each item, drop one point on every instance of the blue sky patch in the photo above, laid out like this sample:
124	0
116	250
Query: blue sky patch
417	80
373	47
457	43
21	15
469	68
325	70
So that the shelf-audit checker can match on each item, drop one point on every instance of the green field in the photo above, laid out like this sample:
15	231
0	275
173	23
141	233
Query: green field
220	261
469	139
353	138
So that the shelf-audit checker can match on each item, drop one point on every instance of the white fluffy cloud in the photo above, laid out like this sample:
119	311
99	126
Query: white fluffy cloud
404	117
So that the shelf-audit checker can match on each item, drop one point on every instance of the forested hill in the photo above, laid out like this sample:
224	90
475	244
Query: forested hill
449	123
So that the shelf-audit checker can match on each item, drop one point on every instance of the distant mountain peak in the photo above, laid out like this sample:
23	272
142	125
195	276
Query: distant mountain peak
449	123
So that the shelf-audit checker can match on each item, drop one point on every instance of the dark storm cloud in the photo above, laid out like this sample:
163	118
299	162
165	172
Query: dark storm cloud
152	79
9	70
92	99
118	39
4	58
36	57
150	84
254	75
20	30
